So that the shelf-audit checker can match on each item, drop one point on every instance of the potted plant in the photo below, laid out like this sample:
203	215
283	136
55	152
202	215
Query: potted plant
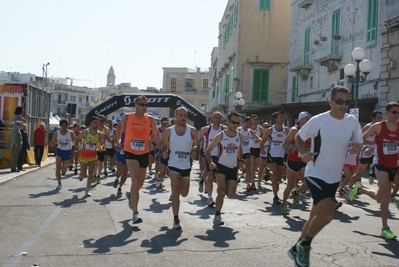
323	38
316	42
337	37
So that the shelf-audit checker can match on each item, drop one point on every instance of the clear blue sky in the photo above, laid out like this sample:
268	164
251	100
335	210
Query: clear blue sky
83	38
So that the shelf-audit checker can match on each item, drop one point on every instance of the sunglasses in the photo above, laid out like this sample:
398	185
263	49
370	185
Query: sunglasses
142	105
394	112
340	101
101	120
235	122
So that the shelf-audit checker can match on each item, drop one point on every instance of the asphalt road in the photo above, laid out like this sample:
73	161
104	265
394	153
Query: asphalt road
40	225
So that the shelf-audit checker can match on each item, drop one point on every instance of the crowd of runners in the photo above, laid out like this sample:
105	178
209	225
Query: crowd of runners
321	156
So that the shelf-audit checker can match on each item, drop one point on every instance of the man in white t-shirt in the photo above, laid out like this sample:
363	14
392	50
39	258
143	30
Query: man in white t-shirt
331	133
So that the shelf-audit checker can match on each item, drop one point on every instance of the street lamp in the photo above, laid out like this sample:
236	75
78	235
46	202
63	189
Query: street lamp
238	101
353	72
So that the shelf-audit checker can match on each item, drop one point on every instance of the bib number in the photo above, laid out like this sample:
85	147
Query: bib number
137	145
390	148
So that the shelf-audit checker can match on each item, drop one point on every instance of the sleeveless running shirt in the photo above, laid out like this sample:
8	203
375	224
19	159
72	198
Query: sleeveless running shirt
89	144
387	143
101	147
252	138
208	138
293	154
137	134
180	149
108	145
229	147
276	149
245	141
64	142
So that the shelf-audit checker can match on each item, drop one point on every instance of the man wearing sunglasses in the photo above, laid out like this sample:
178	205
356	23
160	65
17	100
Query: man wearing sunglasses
385	163
331	133
138	126
225	169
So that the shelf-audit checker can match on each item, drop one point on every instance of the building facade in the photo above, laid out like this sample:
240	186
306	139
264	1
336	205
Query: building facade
252	58
323	36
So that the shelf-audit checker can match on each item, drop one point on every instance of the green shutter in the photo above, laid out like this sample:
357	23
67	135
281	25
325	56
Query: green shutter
224	38
231	23
227	83
334	50
260	86
293	89
307	47
265	5
235	14
372	22
232	79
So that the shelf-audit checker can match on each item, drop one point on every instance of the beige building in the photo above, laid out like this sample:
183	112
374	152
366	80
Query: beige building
252	58
192	85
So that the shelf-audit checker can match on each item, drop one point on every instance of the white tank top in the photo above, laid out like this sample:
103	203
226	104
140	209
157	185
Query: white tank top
252	138
229	146
64	142
351	157
276	149
208	138
245	141
111	134
371	146
180	149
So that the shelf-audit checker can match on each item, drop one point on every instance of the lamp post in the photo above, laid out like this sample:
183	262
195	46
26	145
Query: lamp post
353	72
238	101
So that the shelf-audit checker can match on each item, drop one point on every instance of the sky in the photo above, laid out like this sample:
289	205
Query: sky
82	39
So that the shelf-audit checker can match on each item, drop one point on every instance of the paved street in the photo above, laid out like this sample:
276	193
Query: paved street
66	229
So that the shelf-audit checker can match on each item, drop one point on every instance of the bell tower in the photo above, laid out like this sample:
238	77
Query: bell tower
111	77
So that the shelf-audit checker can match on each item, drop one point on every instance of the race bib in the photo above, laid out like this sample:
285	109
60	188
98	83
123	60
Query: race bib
182	156
137	144
276	143
63	145
390	148
91	146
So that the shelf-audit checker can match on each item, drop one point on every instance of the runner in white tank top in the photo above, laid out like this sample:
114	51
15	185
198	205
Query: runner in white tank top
256	161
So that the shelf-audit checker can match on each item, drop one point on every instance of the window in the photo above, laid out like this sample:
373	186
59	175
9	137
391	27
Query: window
372	22
205	83
227	83
260	86
80	100
235	14
265	5
213	94
307	47
59	99
335	31
189	83
231	23
232	79
293	89
72	98
173	85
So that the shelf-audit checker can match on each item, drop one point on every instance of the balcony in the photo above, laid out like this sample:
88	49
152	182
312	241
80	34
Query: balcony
391	19
331	62
302	71
305	4
60	102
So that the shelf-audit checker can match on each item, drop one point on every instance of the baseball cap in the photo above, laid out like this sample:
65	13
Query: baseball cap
303	114
43	124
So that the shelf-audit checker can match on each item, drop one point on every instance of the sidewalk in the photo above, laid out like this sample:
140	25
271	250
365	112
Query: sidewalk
6	174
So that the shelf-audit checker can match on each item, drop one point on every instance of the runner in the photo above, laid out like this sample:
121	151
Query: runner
101	150
385	162
179	140
255	150
109	149
75	159
276	135
294	161
246	132
162	159
121	168
331	132
209	133
90	137
63	139
264	172
226	167
137	127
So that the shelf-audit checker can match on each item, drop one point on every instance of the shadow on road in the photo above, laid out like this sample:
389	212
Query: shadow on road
157	207
120	239
168	239
44	194
219	235
390	245
205	213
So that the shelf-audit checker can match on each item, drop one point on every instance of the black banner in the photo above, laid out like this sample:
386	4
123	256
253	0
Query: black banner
154	100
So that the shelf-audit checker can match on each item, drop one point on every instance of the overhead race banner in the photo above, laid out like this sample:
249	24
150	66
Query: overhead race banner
154	100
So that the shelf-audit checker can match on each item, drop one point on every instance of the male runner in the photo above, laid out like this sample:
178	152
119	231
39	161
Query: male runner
226	166
255	149
138	126
331	132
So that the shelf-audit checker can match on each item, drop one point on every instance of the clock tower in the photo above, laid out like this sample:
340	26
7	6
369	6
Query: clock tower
111	77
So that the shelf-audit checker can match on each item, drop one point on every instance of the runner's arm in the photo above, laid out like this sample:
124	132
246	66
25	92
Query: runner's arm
289	138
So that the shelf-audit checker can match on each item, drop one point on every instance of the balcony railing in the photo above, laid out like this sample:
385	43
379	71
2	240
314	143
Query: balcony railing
391	19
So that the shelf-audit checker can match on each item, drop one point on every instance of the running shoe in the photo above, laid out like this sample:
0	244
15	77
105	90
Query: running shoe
70	168
387	233
253	187
284	209
276	201
284	177
59	187
201	186
295	197
136	218
119	191
393	199
87	193
210	203
337	204
115	184
371	180
249	188
106	173
176	224
355	191
94	179
157	182
98	180
129	204
259	184
347	192
80	178
113	170
75	172
218	220
341	191
302	256
292	253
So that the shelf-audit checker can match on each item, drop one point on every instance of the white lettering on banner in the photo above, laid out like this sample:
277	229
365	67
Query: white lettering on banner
127	100
98	112
179	103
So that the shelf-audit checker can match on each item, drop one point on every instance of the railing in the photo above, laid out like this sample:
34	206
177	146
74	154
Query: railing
391	9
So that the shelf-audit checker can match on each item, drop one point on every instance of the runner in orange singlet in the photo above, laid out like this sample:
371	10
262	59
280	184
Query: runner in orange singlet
137	127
